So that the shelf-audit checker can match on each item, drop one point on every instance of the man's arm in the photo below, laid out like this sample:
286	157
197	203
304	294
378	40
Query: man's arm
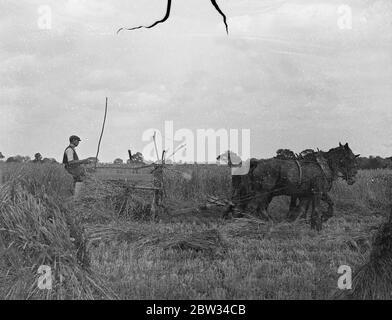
77	162
84	161
71	160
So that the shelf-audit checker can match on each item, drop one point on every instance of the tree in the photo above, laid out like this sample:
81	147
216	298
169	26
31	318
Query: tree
374	162
1	156
136	158
118	161
49	160
37	158
18	159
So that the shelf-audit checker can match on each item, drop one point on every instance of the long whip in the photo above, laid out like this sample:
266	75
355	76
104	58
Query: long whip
103	128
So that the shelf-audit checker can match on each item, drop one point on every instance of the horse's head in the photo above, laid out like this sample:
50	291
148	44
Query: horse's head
346	162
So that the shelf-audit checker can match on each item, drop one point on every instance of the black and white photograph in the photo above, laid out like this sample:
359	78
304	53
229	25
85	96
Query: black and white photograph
208	152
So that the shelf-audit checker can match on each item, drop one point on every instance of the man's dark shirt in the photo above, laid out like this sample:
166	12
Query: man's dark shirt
74	169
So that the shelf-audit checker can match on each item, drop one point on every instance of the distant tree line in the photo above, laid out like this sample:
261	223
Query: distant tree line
136	158
374	162
23	159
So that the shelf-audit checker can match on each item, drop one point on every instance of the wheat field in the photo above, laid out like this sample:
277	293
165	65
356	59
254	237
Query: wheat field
105	245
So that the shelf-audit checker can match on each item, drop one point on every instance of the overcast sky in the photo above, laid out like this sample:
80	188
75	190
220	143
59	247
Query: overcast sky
286	71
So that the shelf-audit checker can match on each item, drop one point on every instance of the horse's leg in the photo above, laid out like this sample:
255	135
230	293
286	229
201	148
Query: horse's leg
262	206
242	201
326	198
293	202
305	213
297	211
312	215
302	209
237	201
315	221
292	214
269	199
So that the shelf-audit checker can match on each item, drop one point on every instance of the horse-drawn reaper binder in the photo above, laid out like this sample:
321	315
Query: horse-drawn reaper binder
146	177
138	177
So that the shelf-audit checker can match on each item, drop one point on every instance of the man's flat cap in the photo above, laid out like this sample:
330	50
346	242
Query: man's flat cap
72	138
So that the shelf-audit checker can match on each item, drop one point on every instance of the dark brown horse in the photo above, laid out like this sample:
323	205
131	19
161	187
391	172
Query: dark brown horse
306	180
299	206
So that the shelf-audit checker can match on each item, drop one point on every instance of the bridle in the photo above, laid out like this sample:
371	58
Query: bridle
344	171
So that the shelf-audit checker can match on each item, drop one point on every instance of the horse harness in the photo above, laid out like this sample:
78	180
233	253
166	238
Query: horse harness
322	163
299	171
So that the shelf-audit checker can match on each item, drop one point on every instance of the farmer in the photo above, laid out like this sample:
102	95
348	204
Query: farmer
71	160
